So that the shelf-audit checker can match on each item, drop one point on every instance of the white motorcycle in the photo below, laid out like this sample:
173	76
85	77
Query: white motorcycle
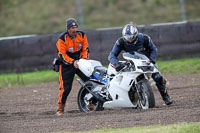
107	88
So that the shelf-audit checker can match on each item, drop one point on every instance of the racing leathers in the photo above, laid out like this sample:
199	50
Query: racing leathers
144	45
69	50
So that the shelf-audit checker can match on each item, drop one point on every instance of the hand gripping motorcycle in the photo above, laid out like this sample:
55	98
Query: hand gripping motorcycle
108	88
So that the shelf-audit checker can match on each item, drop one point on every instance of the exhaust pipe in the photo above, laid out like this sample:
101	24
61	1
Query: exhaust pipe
97	97
81	82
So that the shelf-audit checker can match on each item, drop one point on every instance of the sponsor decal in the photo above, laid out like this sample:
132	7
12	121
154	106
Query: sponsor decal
79	46
70	49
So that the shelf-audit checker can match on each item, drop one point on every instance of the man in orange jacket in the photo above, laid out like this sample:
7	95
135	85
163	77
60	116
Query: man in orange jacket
72	45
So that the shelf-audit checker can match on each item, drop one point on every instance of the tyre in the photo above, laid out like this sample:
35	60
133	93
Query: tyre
146	95
86	101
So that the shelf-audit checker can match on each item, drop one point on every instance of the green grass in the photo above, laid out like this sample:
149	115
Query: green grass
8	80
172	128
46	16
181	66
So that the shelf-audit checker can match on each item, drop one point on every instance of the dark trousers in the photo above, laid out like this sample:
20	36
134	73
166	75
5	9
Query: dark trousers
157	77
66	76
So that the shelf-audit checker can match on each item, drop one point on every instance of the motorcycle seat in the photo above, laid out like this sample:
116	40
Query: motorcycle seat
102	71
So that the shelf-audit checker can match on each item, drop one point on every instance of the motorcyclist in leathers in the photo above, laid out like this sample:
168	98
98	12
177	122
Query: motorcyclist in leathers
132	41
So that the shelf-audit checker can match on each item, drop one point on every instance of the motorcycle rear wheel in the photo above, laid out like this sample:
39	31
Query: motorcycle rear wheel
147	97
86	102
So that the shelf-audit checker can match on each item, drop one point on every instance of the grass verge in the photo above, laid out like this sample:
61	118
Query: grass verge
181	66
9	80
172	128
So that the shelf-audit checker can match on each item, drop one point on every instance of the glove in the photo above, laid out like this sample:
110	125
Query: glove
119	66
55	64
75	63
152	61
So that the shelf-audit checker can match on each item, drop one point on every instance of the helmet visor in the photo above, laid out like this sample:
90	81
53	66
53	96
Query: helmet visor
130	38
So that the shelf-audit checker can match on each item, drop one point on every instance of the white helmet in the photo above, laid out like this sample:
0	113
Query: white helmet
129	32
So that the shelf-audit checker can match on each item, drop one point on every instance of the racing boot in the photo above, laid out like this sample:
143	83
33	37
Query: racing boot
166	98
91	106
161	85
60	109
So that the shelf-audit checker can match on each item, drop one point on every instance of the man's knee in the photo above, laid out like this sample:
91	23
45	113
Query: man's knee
157	78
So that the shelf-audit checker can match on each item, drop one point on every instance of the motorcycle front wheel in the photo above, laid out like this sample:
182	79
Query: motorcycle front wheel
86	101
146	95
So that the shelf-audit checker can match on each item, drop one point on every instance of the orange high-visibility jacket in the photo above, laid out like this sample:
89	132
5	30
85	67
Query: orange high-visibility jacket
70	50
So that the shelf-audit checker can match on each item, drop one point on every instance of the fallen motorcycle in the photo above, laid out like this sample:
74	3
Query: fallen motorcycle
108	88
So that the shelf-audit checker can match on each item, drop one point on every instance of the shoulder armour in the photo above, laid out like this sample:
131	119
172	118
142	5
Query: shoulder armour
121	41
62	36
146	40
81	32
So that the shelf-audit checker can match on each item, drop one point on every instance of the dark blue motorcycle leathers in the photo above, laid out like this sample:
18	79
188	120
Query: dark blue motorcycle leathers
142	45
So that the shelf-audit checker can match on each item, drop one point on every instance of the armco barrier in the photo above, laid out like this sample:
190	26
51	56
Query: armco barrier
173	40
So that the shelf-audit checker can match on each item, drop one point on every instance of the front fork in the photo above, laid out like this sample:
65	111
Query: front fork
138	88
146	76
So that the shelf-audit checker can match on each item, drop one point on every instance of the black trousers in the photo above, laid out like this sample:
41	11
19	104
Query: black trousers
158	78
66	76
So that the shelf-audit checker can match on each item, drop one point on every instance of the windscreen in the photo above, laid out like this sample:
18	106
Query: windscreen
135	55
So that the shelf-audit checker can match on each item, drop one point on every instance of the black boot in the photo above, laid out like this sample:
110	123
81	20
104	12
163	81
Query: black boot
166	98
161	85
